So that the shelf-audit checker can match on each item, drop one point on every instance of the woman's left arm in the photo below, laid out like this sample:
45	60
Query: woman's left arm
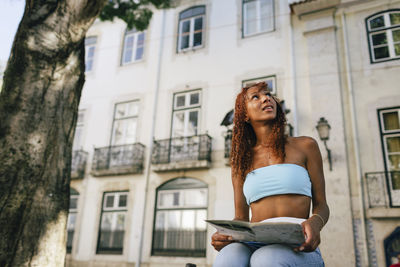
320	210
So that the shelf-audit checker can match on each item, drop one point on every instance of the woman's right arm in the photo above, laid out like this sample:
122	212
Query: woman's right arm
219	241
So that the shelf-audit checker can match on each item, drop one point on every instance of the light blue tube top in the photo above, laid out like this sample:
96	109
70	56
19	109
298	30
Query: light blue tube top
277	179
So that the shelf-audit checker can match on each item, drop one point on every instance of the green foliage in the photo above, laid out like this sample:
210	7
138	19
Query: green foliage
137	14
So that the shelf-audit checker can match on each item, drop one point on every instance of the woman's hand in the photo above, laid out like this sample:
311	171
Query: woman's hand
311	230
219	241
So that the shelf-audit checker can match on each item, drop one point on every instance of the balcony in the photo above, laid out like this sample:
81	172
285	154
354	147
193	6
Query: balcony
383	189
182	153
78	164
118	160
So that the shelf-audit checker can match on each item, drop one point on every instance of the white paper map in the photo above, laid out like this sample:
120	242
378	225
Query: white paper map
284	230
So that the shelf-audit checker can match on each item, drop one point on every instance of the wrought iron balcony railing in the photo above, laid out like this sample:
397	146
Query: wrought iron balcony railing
78	164
182	149
115	160
383	189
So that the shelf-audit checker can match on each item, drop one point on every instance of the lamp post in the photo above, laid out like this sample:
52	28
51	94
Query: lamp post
323	128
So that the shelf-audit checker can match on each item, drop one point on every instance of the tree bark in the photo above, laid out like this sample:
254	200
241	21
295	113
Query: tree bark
38	110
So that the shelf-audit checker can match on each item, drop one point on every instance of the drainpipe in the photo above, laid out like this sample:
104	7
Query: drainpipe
294	78
148	163
354	129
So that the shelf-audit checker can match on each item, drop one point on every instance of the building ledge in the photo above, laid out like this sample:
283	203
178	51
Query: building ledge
117	171
181	165
383	213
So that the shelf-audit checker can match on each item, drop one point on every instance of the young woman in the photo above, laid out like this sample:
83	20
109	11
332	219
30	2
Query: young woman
276	176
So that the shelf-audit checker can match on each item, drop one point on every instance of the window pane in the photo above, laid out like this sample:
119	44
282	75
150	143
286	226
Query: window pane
178	124
120	111
185	26
176	199
193	122
160	220
201	215
396	180
90	53
378	39
73	203
381	52
122	201
184	41
198	24
173	219
396	35
394	162
393	144
132	109
197	39
128	47
267	17
109	201
188	219
118	135
377	22
140	41
106	221
195	198
77	144
180	101
250	23
165	199
139	53
394	18
194	99
397	49
391	120
71	221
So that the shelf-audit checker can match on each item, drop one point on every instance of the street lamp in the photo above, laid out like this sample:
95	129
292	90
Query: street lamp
323	128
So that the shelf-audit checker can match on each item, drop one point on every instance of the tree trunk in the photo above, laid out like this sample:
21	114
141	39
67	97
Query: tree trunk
38	111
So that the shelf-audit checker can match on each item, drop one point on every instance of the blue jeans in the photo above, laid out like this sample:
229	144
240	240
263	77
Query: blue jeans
241	255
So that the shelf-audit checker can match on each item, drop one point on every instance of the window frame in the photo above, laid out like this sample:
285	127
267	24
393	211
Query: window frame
90	42
186	109
112	251
384	134
387	30
73	194
244	2
136	117
135	33
177	253
264	78
191	30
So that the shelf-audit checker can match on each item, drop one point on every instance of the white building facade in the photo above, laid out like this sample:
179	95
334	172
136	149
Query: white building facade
150	160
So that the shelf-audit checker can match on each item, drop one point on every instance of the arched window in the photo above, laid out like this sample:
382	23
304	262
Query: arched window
383	31
71	222
191	28
133	49
392	247
179	227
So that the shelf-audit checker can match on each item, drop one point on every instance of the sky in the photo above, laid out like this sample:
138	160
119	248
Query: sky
10	15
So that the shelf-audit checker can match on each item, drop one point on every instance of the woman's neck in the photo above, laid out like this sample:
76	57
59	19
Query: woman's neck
263	134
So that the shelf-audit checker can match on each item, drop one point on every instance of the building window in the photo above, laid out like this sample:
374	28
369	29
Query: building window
112	223
78	137
133	46
383	31
390	136
125	123
270	80
191	28
186	114
258	16
90	47
71	222
179	226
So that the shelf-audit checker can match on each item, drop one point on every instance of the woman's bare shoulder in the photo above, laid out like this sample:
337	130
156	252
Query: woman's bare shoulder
303	142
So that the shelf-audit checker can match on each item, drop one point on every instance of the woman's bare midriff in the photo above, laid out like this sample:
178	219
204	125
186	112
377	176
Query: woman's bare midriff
297	206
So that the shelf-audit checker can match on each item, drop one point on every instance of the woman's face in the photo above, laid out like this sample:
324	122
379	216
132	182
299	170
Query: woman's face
260	105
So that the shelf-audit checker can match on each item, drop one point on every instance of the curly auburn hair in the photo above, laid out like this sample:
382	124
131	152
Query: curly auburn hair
244	137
